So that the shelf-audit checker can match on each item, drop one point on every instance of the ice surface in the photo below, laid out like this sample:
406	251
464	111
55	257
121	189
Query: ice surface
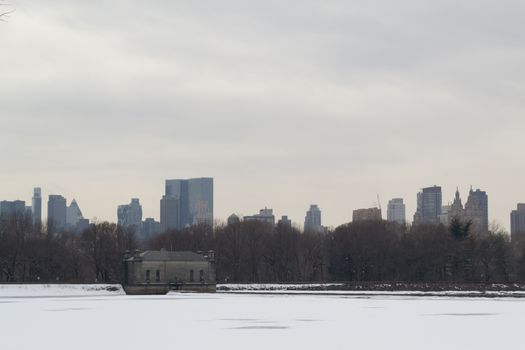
243	321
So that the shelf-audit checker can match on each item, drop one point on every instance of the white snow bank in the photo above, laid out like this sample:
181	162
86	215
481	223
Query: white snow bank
51	290
327	289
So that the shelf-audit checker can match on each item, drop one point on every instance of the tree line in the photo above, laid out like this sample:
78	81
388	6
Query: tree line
257	252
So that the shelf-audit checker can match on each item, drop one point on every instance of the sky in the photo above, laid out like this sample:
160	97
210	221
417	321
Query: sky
285	104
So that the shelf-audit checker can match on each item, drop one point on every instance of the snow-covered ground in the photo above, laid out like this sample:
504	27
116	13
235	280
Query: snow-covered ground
64	290
233	321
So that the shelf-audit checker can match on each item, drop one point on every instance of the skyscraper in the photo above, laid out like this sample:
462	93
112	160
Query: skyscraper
150	227
169	213
37	207
56	213
8	208
396	211
312	220
195	198
130	215
517	222
429	202
477	210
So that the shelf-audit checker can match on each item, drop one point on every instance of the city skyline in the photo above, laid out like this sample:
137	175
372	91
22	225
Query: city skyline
327	102
447	204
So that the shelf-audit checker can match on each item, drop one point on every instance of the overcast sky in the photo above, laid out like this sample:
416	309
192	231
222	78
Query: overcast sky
284	103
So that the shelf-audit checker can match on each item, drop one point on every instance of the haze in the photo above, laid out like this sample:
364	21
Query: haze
283	103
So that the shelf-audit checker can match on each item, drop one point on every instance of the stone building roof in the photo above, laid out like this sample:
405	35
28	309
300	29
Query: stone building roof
164	255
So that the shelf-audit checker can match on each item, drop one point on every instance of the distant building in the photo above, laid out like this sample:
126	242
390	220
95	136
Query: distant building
477	210
195	198
169	213
517	223
233	220
265	215
429	203
371	214
396	211
150	228
312	220
74	219
37	207
8	208
130	215
443	218
285	222
56	213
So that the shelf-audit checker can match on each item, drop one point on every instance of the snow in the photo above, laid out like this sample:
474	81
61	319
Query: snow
253	321
64	290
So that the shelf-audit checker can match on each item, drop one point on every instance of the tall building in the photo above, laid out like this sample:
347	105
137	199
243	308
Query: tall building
429	202
150	227
195	198
517	223
284	222
8	208
477	210
265	215
233	220
396	211
169	213
370	214
130	215
56	213
36	207
312	220
74	219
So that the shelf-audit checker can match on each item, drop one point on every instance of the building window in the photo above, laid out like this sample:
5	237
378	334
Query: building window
191	275
147	276
157	276
201	275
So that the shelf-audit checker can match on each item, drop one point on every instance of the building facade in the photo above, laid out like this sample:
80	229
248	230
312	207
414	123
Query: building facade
312	220
195	197
9	208
396	211
157	272
56	213
36	207
370	214
517	223
169	213
429	203
130	215
150	228
265	215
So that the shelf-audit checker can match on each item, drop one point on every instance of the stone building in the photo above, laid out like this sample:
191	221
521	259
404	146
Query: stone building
157	272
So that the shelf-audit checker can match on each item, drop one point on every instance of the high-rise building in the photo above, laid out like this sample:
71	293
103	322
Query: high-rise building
312	220
130	215
517	223
265	215
8	208
396	211
36	207
195	198
477	210
56	213
370	214
284	222
74	219
169	213
150	228
429	202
